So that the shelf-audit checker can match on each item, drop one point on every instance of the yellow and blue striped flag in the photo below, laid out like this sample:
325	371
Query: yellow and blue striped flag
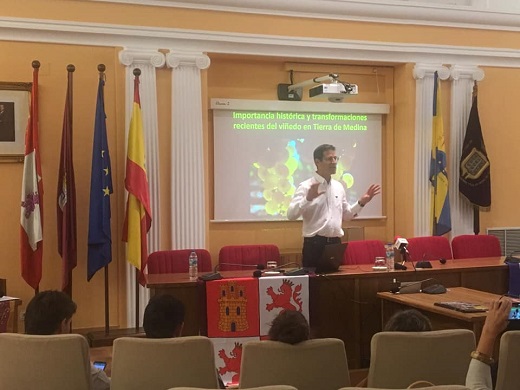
440	207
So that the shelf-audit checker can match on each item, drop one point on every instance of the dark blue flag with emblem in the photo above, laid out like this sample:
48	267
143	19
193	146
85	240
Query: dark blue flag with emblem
475	172
99	233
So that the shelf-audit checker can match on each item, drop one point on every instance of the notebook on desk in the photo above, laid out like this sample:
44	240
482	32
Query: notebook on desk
464	307
331	258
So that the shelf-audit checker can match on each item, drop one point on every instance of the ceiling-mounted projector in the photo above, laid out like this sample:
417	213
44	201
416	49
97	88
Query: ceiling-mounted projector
335	92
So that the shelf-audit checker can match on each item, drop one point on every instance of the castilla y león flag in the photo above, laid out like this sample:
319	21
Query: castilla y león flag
31	216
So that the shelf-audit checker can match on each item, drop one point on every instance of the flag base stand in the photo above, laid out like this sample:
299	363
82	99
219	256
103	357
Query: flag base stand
100	338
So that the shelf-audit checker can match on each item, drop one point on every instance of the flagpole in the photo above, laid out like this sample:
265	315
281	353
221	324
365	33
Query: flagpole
68	105
136	298
476	209
36	66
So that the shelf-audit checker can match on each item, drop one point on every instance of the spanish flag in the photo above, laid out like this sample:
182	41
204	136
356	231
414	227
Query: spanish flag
440	210
138	218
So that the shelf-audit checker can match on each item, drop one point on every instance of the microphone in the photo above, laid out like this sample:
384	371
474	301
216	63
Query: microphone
295	272
423	263
400	244
215	275
257	266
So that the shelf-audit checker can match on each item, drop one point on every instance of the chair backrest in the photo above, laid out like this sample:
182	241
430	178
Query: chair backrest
429	248
306	366
247	254
364	251
401	358
278	387
441	387
158	364
481	245
509	356
176	261
44	362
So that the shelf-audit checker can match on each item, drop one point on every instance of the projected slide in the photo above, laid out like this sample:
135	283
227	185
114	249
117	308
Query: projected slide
260	157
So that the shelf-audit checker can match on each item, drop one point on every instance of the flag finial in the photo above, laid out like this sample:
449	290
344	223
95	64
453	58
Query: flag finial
71	68
35	64
475	89
137	72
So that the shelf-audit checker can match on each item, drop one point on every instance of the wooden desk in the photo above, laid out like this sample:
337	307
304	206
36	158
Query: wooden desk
345	304
16	302
441	317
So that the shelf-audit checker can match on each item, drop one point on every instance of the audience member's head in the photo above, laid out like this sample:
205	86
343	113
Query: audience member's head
408	321
163	317
289	327
49	312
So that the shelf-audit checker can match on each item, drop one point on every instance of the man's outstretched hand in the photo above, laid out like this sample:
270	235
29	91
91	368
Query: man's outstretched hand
372	191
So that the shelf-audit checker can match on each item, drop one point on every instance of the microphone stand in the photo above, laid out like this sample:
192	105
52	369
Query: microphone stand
400	266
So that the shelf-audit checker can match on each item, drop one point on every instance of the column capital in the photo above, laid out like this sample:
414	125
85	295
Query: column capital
179	58
466	72
129	57
422	70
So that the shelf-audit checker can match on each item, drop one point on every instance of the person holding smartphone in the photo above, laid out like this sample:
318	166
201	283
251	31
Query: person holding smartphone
50	312
479	372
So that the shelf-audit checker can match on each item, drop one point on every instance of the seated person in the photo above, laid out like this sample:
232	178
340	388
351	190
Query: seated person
479	372
289	327
50	312
408	321
163	317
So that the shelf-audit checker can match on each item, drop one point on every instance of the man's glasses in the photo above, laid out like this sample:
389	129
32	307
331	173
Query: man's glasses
331	159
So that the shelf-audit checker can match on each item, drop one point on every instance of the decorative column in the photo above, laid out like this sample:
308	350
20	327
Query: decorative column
188	190
424	76
463	78
147	61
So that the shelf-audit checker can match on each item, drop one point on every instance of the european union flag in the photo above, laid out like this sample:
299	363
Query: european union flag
99	233
440	210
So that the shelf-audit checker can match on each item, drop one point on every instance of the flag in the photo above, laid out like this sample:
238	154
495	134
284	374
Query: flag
31	216
440	207
138	218
66	201
99	233
475	171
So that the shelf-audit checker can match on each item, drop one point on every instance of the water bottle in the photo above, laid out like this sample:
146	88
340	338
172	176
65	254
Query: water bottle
193	265
390	256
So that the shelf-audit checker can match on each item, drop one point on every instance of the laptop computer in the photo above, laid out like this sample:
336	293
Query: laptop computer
331	258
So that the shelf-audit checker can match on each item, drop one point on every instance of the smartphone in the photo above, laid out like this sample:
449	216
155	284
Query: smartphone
514	314
100	365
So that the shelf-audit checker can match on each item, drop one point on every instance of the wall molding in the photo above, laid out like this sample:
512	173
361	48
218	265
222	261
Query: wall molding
491	16
96	34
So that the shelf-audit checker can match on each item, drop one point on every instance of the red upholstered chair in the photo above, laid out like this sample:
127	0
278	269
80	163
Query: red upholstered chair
469	246
248	255
429	248
176	261
364	251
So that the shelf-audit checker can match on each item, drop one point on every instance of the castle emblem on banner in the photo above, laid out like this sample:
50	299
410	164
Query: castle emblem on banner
232	308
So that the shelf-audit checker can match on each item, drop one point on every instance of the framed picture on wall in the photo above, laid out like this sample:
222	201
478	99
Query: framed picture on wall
14	112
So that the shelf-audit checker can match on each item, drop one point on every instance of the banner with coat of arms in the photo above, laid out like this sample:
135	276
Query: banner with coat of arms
240	310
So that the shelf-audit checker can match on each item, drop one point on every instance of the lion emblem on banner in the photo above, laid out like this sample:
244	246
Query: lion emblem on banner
231	362
287	297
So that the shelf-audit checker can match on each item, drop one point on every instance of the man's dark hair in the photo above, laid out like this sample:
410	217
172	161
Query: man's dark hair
163	316
408	321
320	151
289	327
46	311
